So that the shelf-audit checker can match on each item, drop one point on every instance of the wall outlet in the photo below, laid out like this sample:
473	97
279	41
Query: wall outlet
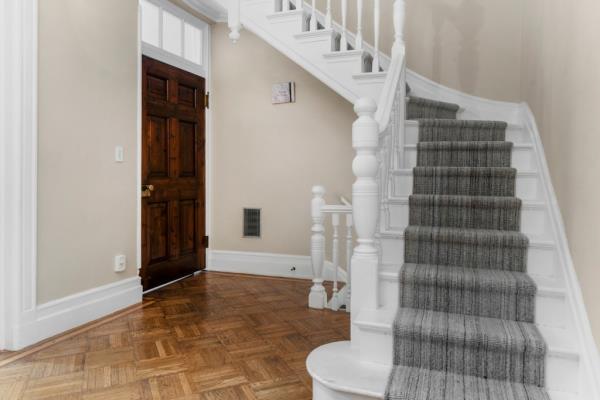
119	154
120	263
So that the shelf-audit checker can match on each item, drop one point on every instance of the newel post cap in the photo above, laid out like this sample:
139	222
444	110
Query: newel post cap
318	191
365	106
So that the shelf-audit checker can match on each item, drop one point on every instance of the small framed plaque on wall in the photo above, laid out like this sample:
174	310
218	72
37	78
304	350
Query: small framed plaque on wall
283	93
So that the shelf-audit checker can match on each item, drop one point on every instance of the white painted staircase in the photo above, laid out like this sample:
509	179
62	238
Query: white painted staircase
360	369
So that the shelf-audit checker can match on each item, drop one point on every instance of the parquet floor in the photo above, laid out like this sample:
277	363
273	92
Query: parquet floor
214	337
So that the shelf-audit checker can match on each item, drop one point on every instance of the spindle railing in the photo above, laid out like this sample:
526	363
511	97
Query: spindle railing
319	211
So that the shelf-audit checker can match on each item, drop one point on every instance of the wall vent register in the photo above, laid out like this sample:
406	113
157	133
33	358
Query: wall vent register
251	222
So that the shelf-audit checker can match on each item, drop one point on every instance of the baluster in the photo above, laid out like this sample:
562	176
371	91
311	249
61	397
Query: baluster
376	22
328	17
335	299
359	17
285	5
348	258
233	21
313	16
399	17
365	199
344	39
299	4
317	297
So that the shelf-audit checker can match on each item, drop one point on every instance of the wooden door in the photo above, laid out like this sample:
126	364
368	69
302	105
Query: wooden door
173	174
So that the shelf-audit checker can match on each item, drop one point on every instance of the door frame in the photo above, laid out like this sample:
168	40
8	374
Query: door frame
18	168
145	49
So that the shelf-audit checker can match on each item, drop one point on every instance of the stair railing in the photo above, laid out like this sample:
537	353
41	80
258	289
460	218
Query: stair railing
376	134
319	212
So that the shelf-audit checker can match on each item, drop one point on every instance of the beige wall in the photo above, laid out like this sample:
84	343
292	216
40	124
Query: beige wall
87	106
268	156
470	45
561	83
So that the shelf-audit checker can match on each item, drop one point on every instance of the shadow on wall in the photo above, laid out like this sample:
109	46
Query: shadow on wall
467	19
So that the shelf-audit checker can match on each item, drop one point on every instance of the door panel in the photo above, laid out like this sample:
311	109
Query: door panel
173	171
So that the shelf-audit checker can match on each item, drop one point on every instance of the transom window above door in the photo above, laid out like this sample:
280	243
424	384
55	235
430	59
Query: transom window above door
174	36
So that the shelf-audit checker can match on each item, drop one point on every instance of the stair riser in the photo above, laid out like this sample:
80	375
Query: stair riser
286	24
317	45
534	220
523	158
528	186
562	374
514	134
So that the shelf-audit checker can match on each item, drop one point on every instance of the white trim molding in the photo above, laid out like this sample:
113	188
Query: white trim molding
590	374
267	264
18	165
209	8
66	313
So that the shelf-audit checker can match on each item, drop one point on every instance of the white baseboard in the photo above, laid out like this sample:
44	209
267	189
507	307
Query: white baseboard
61	315
267	264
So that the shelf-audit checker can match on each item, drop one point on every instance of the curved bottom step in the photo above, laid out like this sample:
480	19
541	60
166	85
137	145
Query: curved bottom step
339	374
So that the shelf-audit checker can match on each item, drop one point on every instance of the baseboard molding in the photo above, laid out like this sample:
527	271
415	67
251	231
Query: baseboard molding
267	264
61	315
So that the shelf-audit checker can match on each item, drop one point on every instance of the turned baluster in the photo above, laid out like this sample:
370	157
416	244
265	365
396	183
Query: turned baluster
285	5
335	299
376	23
313	16
344	39
233	20
359	17
317	297
348	259
328	16
365	200
399	17
299	4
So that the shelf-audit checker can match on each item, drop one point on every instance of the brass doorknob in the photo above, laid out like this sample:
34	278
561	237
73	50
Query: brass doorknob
147	190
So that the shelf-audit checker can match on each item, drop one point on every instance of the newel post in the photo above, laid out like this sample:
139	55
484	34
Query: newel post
399	20
317	297
233	20
365	200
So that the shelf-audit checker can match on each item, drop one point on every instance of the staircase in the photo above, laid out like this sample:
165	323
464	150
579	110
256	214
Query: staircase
462	285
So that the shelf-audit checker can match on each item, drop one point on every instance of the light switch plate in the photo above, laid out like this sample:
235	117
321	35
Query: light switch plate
119	154
120	263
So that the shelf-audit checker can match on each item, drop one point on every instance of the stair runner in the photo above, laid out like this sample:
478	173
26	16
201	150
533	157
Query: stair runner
465	329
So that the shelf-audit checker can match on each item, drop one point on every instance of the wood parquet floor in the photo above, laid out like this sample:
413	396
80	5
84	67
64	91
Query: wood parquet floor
213	337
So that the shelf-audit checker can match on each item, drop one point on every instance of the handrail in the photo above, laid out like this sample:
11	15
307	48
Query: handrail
396	75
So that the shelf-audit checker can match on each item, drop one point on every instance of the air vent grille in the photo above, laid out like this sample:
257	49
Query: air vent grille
251	222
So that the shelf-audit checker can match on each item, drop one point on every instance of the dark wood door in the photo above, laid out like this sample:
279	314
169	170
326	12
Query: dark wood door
173	173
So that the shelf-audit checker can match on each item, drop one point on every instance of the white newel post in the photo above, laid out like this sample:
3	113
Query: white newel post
399	18
365	200
233	20
317	297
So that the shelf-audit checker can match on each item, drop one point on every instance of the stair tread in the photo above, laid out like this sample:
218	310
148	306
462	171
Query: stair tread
469	291
469	278
470	330
436	103
413	383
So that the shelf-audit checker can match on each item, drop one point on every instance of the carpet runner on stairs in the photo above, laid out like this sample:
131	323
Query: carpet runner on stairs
465	328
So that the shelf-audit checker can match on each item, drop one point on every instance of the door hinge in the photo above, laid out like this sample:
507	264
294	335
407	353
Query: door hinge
207	100
205	242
